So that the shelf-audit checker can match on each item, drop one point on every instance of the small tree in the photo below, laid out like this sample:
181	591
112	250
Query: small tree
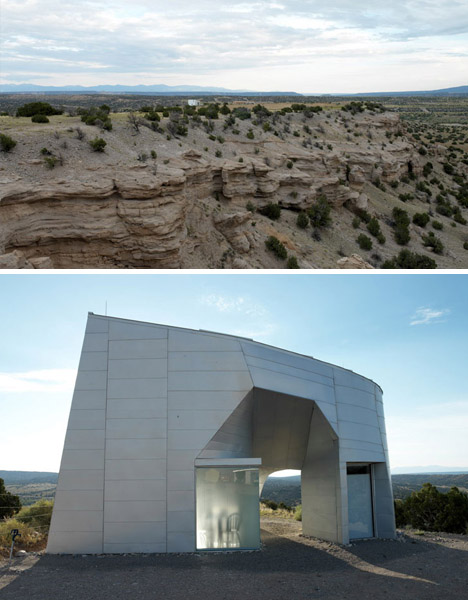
273	244
272	211
365	243
319	213
10	504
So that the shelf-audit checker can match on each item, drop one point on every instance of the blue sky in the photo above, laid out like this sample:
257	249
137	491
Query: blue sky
301	45
406	332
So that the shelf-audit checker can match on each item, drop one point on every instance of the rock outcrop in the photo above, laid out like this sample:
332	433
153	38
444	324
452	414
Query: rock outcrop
118	215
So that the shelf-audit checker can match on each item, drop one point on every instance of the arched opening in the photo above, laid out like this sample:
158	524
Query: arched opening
280	432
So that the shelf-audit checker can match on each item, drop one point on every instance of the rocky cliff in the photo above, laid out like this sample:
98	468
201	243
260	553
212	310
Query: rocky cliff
188	207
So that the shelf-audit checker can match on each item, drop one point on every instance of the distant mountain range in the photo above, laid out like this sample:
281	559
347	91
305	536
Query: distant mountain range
196	90
160	89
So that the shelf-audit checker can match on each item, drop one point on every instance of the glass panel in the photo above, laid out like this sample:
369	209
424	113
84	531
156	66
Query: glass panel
360	506
227	508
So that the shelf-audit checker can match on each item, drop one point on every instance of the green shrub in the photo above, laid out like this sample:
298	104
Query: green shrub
274	245
402	235
289	164
302	220
39	119
319	213
10	504
292	263
437	225
465	245
250	134
373	227
298	512
241	113
96	116
250	207
356	222
449	169
98	144
6	143
50	161
272	211
401	222
410	260
421	219
37	108
364	242
38	514
431	510
432	241
405	197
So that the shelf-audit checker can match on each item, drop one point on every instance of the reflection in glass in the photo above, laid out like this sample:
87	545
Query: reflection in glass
360	503
227	508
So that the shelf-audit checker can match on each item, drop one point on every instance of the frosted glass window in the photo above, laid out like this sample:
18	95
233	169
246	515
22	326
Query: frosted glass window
227	508
360	503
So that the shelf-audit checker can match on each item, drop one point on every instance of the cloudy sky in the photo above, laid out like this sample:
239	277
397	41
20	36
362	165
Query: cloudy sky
406	332
306	46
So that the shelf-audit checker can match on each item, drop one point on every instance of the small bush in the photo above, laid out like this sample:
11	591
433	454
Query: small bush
38	514
373	227
437	225
421	219
298	513
37	108
98	144
289	164
405	197
410	260
250	135
250	207
272	211
6	143
356	222
432	241
302	220
465	245
274	245
292	263
50	161
364	242
319	213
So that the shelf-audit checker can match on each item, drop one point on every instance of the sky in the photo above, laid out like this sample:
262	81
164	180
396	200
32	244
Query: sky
307	46
406	332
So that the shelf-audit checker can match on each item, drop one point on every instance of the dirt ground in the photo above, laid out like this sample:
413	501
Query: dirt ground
289	566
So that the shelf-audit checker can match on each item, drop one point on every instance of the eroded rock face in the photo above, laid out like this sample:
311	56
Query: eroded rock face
118	215
353	262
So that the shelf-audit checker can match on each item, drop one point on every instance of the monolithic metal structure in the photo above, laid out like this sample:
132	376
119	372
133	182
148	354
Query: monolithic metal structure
172	433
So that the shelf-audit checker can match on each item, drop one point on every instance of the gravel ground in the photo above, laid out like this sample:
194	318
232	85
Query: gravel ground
289	566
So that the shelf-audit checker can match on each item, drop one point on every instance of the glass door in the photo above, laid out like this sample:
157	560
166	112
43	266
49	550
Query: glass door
228	514
360	513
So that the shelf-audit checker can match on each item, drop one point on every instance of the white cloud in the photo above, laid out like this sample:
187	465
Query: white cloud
45	380
232	44
237	304
427	316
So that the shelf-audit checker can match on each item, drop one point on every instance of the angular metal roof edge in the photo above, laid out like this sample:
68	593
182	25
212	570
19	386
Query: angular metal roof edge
237	337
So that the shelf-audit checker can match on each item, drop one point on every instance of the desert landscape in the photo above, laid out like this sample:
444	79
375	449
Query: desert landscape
242	183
